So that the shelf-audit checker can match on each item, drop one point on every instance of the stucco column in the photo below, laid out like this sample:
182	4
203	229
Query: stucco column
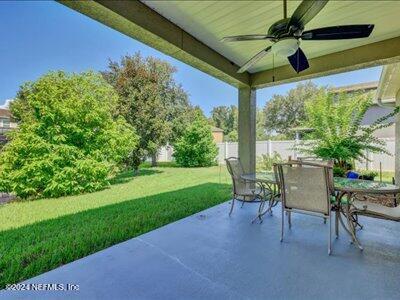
247	128
397	143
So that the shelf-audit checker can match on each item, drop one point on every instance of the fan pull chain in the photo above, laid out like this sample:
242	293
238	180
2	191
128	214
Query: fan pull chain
273	67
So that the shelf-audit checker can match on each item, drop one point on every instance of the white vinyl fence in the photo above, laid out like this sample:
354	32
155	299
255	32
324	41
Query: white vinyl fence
285	149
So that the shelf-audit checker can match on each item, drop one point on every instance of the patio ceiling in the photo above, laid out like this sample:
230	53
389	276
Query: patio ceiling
191	31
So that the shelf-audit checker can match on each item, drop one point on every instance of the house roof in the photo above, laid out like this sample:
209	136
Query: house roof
5	113
376	112
364	86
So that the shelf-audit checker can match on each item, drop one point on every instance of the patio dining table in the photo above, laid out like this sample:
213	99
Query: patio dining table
346	190
268	182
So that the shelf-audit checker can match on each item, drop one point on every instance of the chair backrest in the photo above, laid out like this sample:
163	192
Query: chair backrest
320	162
235	169
315	160
305	186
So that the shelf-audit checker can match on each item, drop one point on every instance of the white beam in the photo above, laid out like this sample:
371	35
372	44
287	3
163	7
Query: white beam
140	22
379	53
397	143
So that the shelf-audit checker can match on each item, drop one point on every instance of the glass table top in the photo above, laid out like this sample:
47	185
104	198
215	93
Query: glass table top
340	183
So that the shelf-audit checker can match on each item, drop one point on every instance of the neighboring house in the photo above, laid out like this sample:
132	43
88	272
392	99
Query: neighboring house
375	112
7	123
218	134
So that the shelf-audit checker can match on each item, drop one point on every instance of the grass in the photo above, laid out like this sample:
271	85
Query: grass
386	176
37	236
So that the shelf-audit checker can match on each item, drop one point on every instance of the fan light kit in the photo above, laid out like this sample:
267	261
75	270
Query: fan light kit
285	47
286	34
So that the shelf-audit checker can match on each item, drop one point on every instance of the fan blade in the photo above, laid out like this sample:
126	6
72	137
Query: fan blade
339	32
299	61
247	37
306	11
254	59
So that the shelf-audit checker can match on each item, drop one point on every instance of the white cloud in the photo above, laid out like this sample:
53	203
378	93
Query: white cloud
6	103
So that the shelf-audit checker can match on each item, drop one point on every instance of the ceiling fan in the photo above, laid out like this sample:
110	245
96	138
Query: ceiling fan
287	33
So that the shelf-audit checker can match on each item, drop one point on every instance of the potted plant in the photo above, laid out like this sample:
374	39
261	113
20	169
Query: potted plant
368	175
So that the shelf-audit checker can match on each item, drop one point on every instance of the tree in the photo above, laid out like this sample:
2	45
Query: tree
225	117
151	101
284	112
196	148
68	141
261	134
337	131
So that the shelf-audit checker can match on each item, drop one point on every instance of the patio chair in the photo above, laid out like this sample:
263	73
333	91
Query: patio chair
373	210
315	160
323	162
242	190
305	188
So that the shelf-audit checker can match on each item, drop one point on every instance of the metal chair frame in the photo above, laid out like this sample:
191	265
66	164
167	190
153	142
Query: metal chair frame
253	198
329	191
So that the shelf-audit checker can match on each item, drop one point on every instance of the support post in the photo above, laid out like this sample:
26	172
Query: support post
247	128
397	144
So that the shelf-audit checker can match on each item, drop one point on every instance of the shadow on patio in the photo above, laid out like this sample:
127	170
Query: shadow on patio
209	255
36	248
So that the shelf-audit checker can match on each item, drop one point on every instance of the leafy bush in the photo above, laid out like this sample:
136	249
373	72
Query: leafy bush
68	141
338	172
266	162
368	174
196	148
337	131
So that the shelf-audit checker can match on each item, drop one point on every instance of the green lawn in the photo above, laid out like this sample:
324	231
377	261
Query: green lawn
386	176
37	236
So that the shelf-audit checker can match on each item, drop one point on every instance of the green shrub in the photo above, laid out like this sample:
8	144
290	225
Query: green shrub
196	148
338	172
368	174
68	141
338	133
266	162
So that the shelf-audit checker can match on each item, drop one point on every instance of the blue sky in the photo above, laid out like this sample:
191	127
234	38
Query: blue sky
38	37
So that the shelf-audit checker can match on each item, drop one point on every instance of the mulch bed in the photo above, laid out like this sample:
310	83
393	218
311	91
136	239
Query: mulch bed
5	198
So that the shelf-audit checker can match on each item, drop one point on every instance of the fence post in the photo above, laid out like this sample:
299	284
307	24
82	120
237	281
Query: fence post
226	149
371	166
296	141
269	145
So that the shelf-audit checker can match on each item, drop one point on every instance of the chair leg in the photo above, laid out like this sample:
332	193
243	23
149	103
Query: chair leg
289	219
352	230
337	212
242	204
233	203
282	223
330	235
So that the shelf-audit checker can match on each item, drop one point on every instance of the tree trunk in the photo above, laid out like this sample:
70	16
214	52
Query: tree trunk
135	171
154	160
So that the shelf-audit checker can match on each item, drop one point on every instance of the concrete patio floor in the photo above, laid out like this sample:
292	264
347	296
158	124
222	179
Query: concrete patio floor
212	256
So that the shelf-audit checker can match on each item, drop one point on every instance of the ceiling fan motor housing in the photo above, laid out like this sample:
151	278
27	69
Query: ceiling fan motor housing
285	47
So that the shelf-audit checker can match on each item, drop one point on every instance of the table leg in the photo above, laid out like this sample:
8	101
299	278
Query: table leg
337	212
261	207
272	196
350	229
